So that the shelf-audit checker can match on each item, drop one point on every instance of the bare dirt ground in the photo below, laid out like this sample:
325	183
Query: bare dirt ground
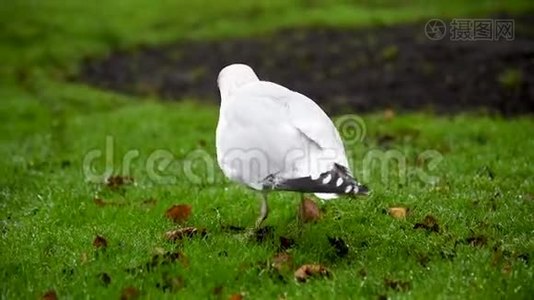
344	70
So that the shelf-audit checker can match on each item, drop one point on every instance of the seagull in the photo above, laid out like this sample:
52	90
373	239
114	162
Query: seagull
271	138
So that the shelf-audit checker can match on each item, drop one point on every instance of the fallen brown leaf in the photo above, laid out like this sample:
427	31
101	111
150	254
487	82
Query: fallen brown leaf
429	223
286	243
186	232
340	246
506	268
282	261
398	212
305	272
99	202
117	181
178	213
237	296
217	291
49	295
309	211
100	242
129	293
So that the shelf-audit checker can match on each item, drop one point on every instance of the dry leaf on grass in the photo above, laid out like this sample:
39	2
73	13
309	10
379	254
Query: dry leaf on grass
178	213
49	295
217	291
307	271
341	248
129	293
398	212
117	181
309	211
282	261
429	223
186	232
237	296
99	201
286	243
507	268
100	242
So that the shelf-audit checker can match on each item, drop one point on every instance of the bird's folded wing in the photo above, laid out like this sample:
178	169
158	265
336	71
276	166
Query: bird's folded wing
305	115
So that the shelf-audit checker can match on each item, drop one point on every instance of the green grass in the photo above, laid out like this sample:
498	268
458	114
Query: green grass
48	219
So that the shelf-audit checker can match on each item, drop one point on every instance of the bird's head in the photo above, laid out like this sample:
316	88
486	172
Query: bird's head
233	77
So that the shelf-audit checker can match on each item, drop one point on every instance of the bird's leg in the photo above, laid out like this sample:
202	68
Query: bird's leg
264	210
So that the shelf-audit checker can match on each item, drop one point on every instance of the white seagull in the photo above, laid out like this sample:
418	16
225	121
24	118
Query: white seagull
271	138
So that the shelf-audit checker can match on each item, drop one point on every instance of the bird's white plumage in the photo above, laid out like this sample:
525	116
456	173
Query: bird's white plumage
265	128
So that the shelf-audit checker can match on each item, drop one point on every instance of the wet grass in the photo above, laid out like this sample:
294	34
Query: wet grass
482	206
468	235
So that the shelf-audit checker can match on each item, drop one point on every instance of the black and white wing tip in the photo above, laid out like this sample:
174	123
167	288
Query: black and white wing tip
336	181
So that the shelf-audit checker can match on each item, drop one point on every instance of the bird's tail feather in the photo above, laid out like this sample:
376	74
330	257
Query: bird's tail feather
327	185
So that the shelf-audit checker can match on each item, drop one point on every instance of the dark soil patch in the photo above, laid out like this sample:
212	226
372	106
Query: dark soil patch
344	70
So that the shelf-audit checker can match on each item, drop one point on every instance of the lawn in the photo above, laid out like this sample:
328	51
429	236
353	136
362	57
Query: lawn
467	234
